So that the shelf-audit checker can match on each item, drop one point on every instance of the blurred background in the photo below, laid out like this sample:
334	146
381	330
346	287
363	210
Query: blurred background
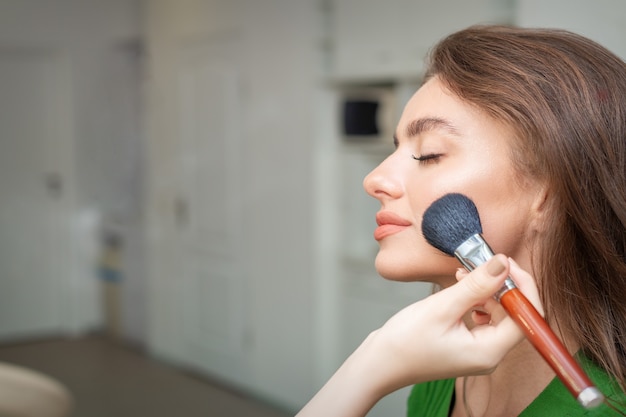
183	177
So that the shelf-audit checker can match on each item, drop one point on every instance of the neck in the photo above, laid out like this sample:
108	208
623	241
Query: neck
516	382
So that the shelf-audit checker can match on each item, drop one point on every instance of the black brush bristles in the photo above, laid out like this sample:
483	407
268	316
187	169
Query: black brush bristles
450	221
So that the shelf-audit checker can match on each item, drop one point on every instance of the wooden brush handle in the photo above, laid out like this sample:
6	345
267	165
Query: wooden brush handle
545	341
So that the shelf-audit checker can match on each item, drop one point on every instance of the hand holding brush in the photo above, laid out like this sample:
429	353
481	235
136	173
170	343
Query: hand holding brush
452	225
425	341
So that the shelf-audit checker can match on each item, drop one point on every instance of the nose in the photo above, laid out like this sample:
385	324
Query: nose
383	182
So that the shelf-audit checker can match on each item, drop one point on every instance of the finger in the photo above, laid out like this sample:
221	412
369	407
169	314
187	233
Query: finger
475	288
461	273
495	309
480	317
497	338
527	285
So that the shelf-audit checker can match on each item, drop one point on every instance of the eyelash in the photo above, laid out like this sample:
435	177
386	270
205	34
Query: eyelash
427	159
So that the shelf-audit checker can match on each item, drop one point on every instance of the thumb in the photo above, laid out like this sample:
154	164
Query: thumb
480	284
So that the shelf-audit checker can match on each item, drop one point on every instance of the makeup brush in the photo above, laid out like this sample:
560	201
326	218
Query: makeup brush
452	225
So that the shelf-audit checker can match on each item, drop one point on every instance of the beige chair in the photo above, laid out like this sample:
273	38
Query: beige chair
28	393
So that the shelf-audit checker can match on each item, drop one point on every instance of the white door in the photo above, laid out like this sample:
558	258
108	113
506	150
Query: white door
214	316
34	237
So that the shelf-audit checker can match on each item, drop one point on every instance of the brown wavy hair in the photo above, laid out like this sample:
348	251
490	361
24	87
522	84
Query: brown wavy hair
564	96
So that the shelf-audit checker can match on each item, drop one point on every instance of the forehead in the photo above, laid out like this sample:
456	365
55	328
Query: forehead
434	107
433	101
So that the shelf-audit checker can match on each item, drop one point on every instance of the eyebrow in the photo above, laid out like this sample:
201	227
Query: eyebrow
425	124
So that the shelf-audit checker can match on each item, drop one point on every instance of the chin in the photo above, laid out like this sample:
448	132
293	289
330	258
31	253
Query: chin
394	274
437	269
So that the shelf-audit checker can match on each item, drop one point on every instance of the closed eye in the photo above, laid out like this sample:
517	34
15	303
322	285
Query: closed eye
430	158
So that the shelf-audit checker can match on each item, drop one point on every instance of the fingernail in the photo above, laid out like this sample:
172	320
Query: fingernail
495	267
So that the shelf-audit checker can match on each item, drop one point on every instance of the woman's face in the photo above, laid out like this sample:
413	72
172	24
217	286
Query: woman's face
446	145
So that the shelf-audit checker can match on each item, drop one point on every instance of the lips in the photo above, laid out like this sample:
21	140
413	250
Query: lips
388	224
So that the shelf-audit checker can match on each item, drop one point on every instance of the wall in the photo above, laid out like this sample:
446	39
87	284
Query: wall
98	39
603	21
271	47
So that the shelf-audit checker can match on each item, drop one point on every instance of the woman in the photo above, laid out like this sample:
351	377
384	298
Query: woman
531	125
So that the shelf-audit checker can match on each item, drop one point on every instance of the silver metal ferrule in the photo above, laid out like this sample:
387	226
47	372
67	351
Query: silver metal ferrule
590	397
474	252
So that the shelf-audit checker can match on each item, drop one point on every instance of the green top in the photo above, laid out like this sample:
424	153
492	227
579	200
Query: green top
434	399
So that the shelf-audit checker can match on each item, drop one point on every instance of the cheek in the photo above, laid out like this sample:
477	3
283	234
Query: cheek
504	207
470	176
505	226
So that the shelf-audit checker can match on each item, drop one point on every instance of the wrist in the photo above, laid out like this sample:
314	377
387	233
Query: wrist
353	389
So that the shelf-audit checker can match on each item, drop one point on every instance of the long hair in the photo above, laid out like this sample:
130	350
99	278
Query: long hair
564	96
